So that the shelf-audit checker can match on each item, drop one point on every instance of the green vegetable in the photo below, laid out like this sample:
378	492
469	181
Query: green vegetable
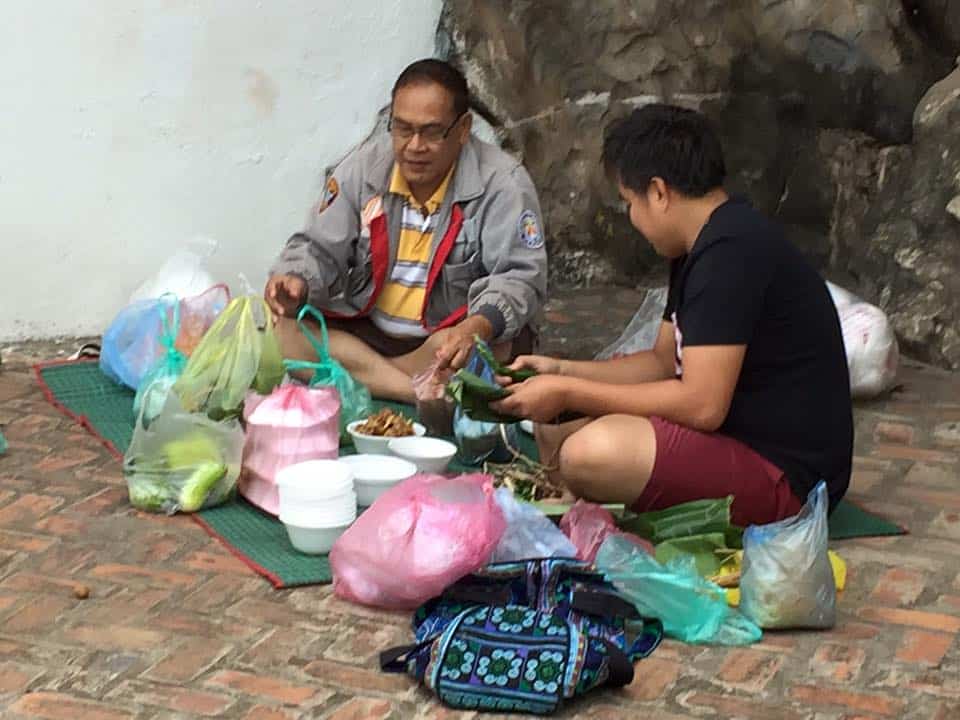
192	449
146	493
200	484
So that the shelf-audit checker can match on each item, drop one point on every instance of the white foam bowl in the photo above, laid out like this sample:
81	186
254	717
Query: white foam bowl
373	475
430	455
312	540
314	480
376	444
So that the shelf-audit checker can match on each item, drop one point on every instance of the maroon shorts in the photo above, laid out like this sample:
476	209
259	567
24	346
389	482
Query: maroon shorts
692	465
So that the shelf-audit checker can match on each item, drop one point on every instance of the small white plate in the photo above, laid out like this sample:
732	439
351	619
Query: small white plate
527	426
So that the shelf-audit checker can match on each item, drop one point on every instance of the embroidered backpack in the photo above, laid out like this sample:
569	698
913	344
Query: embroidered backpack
524	637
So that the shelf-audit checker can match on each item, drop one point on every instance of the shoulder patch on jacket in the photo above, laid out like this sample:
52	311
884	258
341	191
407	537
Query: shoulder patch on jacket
529	229
330	193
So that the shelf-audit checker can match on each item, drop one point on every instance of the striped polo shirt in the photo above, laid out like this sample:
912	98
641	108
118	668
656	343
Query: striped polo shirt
399	306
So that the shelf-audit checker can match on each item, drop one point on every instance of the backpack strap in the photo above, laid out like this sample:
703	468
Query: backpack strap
620	666
603	604
395	659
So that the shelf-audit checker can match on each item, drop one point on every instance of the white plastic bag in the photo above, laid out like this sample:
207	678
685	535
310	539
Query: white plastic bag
184	273
529	533
870	343
787	580
641	332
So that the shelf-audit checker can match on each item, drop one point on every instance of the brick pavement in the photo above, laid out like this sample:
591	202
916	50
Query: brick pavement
106	613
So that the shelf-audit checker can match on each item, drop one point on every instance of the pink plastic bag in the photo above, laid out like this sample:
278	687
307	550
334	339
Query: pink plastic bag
588	525
418	538
197	314
291	425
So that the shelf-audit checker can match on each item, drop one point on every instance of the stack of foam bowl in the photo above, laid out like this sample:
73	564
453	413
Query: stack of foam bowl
317	503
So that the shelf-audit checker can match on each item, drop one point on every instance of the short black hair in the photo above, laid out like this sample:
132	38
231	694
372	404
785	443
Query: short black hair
665	141
442	73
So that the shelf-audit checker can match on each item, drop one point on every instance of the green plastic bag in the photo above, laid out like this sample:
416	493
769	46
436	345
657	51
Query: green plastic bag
3	444
355	402
239	351
693	518
156	384
691	609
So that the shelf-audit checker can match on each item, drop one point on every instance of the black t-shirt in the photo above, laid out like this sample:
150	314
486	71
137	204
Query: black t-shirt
745	284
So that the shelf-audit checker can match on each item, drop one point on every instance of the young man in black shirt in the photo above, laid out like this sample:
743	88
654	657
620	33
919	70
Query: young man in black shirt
745	392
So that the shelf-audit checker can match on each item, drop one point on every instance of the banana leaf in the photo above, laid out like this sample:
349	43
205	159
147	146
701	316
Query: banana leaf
474	395
498	368
693	518
709	550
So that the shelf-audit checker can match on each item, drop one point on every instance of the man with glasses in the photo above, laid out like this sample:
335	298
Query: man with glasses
424	237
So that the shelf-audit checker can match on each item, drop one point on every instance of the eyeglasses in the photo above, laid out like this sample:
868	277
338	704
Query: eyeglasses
432	134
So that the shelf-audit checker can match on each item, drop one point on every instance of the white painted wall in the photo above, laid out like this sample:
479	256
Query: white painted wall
127	126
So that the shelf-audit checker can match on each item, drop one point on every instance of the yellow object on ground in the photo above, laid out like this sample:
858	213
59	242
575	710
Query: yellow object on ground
733	566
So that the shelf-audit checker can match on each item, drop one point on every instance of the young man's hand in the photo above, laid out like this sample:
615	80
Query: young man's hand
285	294
541	364
540	398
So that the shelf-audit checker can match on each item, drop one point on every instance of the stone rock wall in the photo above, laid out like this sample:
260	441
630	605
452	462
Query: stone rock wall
814	102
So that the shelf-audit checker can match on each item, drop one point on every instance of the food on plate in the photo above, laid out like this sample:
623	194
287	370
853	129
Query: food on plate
386	423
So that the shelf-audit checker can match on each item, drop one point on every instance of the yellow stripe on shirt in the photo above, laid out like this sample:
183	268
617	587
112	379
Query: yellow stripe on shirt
399	306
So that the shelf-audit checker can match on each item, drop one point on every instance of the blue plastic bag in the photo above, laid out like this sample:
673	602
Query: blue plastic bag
787	580
156	385
131	345
691	609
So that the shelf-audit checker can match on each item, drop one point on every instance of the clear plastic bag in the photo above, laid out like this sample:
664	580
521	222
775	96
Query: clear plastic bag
529	533
691	609
642	330
588	525
131	345
183	273
157	383
355	401
434	407
293	424
416	539
239	352
787	580
182	461
873	353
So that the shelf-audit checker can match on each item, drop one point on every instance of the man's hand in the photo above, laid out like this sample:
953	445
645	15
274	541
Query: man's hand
540	364
456	347
285	294
540	398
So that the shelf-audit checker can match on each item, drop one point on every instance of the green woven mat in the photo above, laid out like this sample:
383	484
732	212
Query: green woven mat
106	409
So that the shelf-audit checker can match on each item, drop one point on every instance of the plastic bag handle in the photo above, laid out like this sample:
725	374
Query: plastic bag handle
169	330
320	346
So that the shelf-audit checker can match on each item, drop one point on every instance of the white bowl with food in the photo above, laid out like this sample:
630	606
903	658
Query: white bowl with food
430	455
372	434
373	475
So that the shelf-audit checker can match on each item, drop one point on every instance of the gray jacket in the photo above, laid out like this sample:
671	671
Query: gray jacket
488	237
